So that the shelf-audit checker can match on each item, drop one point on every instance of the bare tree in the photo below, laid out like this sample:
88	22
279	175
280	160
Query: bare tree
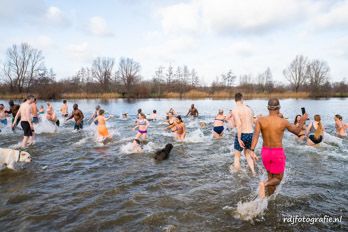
169	75
296	73
318	73
23	64
194	78
128	73
228	78
102	68
158	79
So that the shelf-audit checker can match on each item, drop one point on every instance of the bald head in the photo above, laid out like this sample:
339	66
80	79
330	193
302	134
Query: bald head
273	104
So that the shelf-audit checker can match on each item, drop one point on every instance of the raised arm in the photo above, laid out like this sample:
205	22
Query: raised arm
297	129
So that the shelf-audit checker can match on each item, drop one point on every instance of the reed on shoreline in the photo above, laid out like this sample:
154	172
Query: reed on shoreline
192	94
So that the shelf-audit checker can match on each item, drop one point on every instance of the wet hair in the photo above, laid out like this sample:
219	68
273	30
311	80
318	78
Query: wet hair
319	130
339	117
101	112
34	99
143	115
154	111
11	103
139	111
193	105
273	104
75	106
2	106
179	117
221	111
64	101
238	97
97	107
295	121
30	97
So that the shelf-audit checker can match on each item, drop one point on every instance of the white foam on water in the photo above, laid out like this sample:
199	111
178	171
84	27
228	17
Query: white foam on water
196	136
127	148
330	139
147	148
247	211
45	126
81	141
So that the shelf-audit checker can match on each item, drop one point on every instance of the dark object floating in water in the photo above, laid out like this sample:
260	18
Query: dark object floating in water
164	153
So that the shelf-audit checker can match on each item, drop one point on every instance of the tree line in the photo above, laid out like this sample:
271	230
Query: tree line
24	70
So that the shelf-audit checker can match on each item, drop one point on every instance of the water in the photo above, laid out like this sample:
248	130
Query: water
77	184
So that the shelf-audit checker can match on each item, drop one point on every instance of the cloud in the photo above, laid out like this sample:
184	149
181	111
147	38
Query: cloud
80	51
335	15
98	26
14	11
55	16
242	49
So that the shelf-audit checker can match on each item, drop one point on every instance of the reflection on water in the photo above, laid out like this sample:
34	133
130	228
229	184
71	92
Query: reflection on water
75	183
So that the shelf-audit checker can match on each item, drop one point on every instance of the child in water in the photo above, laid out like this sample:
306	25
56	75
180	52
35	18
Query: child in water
42	110
103	132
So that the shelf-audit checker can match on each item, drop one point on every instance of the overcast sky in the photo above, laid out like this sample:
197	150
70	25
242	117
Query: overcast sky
211	36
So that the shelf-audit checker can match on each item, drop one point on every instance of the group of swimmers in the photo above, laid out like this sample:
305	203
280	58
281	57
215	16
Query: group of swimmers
248	128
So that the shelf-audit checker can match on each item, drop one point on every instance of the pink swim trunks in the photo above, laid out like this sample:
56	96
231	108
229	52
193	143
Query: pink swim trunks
273	159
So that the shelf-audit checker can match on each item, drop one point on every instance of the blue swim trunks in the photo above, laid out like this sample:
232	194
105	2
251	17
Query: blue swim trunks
246	138
4	121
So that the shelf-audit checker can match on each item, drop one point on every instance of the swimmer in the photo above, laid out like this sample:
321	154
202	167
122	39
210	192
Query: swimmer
95	114
302	135
137	147
244	119
3	116
139	113
272	129
341	127
219	122
142	124
192	111
34	112
172	111
315	131
51	115
42	110
14	108
125	116
179	128
24	113
103	132
153	116
78	117
230	121
170	119
202	124
64	109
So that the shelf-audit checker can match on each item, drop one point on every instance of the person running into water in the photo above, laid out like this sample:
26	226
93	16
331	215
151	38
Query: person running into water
51	115
142	124
302	135
192	111
78	117
24	113
3	116
14	108
137	147
153	116
95	114
341	127
315	131
34	112
64	109
179	128
272	129
219	122
103	132
42	110
230	121
244	119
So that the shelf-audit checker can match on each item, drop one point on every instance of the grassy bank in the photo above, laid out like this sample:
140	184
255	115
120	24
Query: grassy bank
193	94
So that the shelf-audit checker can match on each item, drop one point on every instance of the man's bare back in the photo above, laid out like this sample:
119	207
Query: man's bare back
25	112
243	117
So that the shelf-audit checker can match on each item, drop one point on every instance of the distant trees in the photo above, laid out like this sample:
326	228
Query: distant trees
22	66
264	81
296	73
102	69
128	73
318	74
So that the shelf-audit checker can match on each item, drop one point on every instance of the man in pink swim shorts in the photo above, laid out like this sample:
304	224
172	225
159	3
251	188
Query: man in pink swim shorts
272	129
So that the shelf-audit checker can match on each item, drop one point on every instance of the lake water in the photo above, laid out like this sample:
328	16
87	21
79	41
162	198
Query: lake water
75	184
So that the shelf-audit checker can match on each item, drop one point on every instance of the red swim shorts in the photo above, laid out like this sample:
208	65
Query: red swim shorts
273	159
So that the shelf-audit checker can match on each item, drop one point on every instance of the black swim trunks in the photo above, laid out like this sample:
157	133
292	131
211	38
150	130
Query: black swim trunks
26	128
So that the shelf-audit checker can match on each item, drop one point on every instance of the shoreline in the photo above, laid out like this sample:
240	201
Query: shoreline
189	95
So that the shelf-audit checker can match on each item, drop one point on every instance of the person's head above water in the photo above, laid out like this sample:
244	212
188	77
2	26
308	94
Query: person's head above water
297	119
2	106
221	111
238	97
97	107
193	106
64	101
30	99
11	103
75	106
179	118
154	111
339	117
101	112
139	111
273	104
